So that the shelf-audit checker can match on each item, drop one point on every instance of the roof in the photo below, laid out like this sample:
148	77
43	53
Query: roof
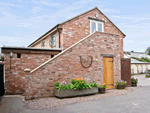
72	19
44	34
31	48
134	61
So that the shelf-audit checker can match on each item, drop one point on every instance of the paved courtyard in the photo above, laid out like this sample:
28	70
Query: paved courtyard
142	81
132	102
136	101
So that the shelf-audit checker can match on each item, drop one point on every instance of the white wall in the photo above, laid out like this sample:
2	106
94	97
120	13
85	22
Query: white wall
141	68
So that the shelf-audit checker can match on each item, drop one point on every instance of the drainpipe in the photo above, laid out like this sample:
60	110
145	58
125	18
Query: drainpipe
59	34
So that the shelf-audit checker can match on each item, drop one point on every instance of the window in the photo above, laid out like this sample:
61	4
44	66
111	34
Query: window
43	43
52	40
96	26
18	55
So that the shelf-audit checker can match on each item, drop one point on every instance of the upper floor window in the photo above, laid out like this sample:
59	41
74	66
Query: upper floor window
43	43
96	26
52	40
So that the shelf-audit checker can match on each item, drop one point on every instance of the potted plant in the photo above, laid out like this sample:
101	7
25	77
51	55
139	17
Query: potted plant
134	82
77	87
120	84
101	88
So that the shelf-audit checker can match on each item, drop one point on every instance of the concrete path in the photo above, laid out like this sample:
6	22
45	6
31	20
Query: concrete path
13	104
142	81
132	102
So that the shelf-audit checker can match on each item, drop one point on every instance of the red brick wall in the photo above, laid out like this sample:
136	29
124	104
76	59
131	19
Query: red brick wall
67	66
15	81
79	27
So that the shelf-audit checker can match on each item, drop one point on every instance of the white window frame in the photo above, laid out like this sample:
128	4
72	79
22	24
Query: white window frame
50	43
97	22
42	44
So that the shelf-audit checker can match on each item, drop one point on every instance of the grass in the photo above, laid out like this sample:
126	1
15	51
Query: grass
147	76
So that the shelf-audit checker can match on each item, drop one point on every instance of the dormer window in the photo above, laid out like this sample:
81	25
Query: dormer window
52	40
96	26
43	43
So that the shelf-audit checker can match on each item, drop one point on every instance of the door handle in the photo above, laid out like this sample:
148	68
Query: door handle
110	61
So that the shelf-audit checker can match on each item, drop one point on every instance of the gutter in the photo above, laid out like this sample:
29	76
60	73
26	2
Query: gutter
59	34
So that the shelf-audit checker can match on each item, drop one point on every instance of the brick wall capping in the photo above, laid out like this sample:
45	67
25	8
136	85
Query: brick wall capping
108	55
96	19
27	70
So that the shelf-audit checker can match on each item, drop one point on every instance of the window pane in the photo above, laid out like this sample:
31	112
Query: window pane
52	40
93	27
43	43
99	27
54	37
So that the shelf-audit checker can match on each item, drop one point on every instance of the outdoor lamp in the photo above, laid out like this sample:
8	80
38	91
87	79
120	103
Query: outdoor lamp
11	56
1	57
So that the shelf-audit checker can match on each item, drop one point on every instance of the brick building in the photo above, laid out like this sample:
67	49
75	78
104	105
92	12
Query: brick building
88	46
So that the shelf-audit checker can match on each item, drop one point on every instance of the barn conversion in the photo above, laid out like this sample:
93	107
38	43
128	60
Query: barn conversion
88	46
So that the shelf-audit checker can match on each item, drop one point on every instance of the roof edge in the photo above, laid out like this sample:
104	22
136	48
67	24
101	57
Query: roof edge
31	48
44	35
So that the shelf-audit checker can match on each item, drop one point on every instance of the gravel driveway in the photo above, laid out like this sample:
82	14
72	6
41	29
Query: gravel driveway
47	103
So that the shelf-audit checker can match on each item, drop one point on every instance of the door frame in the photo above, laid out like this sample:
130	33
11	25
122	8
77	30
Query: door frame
109	56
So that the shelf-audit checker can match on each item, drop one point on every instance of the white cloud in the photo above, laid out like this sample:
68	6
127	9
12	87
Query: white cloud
12	5
50	4
19	0
27	25
134	19
10	39
36	10
110	10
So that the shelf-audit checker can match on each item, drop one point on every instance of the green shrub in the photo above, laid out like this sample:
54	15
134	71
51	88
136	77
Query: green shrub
94	84
134	81
102	86
57	85
77	83
120	82
147	76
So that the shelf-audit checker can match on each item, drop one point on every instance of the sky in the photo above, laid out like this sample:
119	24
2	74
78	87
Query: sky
23	21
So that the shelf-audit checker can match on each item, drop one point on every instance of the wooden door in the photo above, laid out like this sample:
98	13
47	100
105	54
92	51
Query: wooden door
108	72
2	90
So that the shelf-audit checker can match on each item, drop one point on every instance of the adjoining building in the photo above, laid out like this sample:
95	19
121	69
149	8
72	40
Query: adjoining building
138	67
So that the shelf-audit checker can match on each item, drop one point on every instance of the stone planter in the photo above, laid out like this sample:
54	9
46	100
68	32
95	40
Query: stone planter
101	90
73	93
120	86
133	84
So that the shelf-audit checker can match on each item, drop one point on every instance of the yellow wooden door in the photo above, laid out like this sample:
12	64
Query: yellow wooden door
108	72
